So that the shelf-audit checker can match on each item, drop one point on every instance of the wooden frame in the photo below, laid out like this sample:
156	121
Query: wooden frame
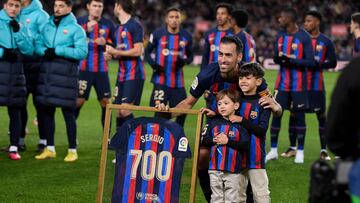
104	150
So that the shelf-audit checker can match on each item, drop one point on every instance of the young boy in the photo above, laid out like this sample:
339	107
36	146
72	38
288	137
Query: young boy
256	120
227	142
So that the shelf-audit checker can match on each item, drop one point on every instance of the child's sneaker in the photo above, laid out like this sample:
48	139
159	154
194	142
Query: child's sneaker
14	156
46	154
71	156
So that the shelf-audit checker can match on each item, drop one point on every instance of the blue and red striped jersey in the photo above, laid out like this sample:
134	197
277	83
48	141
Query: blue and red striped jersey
297	47
356	50
325	58
209	80
256	121
211	47
168	49
126	36
224	157
249	47
150	155
95	61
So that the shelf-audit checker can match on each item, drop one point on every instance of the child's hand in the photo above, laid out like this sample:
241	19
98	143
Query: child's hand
221	139
208	112
235	119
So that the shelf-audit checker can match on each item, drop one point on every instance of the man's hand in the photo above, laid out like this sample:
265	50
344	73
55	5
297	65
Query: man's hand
111	50
49	54
208	112
180	62
270	103
90	25
235	119
157	68
9	55
282	60
100	41
221	139
162	107
15	25
107	56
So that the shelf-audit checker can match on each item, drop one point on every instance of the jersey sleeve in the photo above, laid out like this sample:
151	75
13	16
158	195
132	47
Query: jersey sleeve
149	48
188	50
205	56
110	38
260	128
330	57
182	147
308	59
200	83
138	34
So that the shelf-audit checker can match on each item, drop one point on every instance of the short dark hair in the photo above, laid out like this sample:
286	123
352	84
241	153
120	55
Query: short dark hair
67	2
100	1
233	95
241	17
356	17
235	40
127	5
292	12
254	69
315	14
8	0
172	8
223	5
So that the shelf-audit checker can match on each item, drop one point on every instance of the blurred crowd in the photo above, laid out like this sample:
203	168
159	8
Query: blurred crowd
199	16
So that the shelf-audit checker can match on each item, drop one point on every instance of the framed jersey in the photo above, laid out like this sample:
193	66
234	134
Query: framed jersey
150	155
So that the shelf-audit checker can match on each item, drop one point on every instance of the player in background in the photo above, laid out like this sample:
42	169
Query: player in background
62	43
129	37
228	143
216	77
325	58
14	43
239	19
355	30
34	18
294	53
213	36
94	69
172	46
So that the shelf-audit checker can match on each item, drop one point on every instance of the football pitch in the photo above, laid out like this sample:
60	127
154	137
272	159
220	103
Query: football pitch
53	180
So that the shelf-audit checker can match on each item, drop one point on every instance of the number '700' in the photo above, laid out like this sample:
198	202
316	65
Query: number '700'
151	164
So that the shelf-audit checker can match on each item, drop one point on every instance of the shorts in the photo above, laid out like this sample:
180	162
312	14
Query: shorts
101	83
317	102
129	92
167	95
296	101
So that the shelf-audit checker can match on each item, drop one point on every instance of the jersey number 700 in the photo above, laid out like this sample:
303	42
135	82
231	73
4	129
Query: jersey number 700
151	164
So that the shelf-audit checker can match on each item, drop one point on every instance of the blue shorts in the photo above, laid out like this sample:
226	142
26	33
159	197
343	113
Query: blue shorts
296	101
100	81
128	92
167	95
317	102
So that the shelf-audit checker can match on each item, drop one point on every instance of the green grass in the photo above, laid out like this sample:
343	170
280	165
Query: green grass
30	180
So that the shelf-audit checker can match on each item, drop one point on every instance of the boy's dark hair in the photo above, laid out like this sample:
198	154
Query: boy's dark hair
127	5
235	40
356	17
254	69
8	0
172	8
232	94
100	1
315	14
67	2
292	13
240	16
224	5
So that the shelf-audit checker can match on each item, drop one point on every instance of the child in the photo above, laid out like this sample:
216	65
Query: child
227	142
256	120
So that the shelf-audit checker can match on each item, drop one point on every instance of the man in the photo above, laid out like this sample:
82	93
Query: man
325	58
213	36
355	30
14	42
129	47
239	19
216	77
62	43
342	130
94	69
173	51
34	18
294	53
